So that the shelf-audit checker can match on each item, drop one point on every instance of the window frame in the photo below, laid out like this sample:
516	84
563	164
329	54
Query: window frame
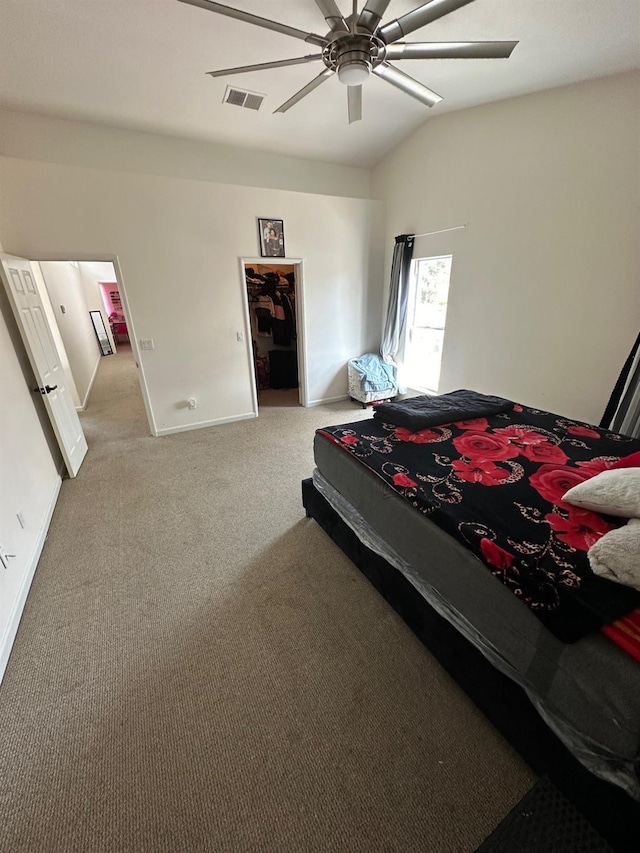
410	323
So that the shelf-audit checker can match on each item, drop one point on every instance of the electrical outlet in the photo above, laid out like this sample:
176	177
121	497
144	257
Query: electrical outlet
20	516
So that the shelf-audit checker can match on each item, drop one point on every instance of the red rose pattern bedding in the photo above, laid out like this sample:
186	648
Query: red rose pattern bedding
496	485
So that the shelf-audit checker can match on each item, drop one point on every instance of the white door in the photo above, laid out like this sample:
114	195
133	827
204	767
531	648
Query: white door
26	302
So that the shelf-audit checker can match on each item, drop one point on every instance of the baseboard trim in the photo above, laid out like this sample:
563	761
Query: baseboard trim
6	644
325	400
204	424
83	406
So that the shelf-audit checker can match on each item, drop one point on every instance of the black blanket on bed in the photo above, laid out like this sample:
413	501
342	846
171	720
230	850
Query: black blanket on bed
417	413
496	484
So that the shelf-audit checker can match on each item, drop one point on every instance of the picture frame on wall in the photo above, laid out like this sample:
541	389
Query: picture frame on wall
271	233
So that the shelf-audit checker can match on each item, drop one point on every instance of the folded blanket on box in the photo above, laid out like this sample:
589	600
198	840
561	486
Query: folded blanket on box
375	374
417	413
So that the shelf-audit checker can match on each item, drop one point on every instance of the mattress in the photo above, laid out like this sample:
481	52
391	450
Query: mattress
588	692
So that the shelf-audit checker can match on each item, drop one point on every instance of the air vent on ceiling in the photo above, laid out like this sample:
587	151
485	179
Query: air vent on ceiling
240	98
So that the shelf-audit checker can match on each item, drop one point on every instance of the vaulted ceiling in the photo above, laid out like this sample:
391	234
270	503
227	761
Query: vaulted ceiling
141	64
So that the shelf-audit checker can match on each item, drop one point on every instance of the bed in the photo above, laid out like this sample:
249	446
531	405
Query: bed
565	705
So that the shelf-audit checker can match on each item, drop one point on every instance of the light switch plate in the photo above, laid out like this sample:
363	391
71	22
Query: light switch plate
147	343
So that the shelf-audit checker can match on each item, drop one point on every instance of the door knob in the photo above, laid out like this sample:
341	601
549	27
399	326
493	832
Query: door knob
49	388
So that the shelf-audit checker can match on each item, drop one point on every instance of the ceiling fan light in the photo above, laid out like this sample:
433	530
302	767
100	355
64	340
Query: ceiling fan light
354	73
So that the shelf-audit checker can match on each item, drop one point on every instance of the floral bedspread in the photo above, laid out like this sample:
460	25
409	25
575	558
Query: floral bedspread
496	485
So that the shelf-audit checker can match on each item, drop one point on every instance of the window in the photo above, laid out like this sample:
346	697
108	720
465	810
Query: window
426	316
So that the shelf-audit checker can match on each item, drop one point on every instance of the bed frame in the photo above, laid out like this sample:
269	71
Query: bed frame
610	810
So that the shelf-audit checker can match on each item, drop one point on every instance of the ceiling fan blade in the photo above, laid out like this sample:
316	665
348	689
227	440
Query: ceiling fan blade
248	18
420	17
264	66
354	100
332	15
372	14
451	50
402	81
324	75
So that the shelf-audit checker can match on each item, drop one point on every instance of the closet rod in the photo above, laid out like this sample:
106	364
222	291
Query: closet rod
442	230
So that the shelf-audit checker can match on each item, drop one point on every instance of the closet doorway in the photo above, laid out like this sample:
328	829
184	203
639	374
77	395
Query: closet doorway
274	294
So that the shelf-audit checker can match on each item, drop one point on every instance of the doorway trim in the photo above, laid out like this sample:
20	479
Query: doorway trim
91	256
301	328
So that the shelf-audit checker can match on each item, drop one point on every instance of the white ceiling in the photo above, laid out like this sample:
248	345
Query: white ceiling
141	64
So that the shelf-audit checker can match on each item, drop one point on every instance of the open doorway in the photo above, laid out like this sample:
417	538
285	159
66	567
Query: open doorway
274	293
89	319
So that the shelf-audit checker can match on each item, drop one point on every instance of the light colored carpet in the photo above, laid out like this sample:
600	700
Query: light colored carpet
199	668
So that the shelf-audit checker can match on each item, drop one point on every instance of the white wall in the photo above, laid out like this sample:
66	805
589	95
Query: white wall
29	482
38	137
66	291
178	243
91	274
544	302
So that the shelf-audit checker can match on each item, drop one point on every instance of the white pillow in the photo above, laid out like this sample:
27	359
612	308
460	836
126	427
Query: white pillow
612	492
617	555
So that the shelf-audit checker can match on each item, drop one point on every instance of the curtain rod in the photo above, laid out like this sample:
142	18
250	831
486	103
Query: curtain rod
442	230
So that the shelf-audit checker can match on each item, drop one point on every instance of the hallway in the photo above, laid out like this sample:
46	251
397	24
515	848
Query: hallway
115	411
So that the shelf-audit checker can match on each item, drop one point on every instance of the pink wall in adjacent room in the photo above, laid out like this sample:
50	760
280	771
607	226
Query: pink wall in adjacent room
111	297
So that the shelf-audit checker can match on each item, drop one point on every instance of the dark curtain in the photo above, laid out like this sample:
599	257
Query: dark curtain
623	409
398	296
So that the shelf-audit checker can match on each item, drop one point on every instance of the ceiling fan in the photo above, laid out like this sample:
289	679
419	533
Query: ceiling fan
360	44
